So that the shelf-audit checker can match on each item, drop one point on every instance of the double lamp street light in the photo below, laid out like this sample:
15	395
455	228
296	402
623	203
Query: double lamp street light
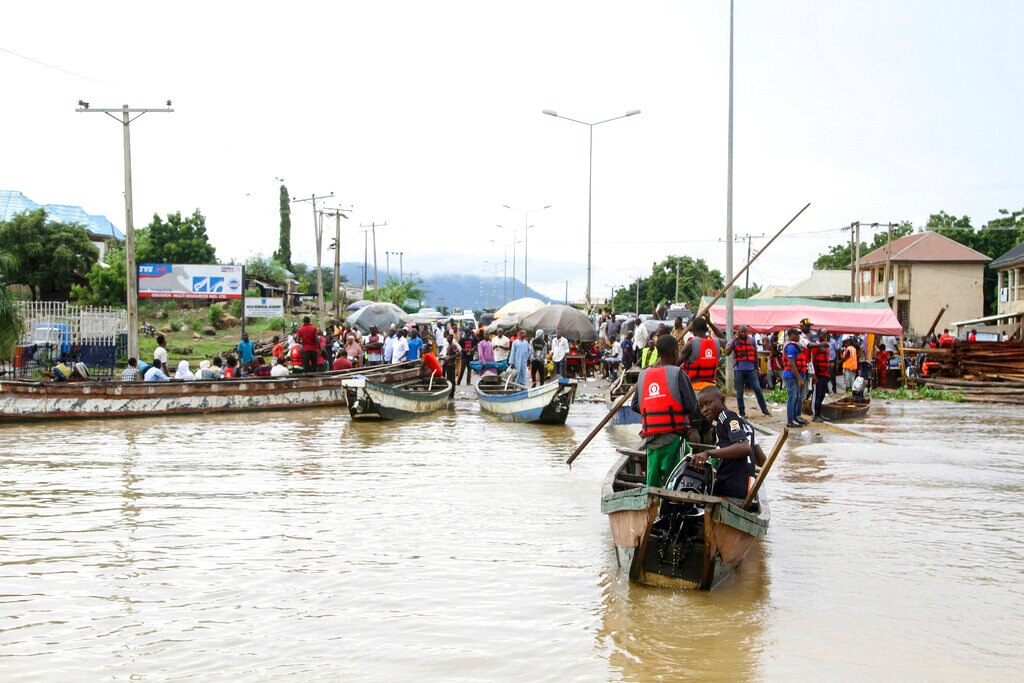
590	181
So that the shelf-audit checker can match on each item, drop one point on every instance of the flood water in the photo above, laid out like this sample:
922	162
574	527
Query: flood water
300	545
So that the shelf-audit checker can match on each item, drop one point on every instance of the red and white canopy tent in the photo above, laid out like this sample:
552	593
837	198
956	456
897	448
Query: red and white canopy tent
773	315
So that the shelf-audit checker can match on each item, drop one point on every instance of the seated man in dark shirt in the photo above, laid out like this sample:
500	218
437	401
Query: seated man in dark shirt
737	450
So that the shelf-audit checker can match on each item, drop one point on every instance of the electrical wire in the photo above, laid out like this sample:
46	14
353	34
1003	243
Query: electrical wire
56	68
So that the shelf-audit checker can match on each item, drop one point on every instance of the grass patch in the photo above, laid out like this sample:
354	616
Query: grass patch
917	394
776	395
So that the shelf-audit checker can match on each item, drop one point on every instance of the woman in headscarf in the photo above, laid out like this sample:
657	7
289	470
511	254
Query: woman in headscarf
183	372
519	358
538	358
205	373
354	351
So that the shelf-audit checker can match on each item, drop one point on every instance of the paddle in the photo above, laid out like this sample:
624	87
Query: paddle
700	313
767	467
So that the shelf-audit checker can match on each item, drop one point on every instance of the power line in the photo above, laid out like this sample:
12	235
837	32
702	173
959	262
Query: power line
56	68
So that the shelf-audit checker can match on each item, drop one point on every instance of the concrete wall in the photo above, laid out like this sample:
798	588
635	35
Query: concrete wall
958	286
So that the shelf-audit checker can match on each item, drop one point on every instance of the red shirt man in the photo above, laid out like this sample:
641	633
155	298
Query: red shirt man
307	339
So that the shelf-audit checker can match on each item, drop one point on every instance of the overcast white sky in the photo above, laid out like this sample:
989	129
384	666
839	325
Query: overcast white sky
428	116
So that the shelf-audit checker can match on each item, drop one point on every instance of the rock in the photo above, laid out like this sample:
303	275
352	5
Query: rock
196	335
209	331
183	328
230	320
166	329
161	314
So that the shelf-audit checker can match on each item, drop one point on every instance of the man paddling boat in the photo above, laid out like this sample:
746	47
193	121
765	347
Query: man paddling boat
665	401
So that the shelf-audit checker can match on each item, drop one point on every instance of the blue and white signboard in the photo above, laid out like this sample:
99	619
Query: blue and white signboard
264	307
174	281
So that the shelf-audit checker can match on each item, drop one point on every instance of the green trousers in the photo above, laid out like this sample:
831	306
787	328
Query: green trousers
661	461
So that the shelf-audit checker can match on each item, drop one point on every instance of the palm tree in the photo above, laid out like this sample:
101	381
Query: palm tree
10	315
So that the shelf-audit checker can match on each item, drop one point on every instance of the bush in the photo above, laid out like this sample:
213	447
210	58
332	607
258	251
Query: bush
216	316
176	325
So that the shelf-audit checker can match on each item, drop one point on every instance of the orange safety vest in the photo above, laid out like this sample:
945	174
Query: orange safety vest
743	350
660	412
705	368
296	354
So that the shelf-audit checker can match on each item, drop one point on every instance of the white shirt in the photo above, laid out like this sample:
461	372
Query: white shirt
640	337
559	348
400	351
159	356
616	352
442	347
279	371
501	347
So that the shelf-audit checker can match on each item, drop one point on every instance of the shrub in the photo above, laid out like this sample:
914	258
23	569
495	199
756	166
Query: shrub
176	325
216	315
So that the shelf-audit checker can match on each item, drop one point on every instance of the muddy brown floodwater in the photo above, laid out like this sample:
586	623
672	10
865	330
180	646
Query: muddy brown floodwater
298	544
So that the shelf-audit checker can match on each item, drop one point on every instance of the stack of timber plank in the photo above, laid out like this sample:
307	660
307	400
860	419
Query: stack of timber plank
981	371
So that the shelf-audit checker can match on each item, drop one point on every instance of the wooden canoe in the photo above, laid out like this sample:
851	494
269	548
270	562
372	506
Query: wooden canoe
624	416
27	400
718	538
394	397
545	404
845	408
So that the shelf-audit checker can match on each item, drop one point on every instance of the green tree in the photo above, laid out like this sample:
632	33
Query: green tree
397	292
838	257
284	249
10	315
264	268
106	282
996	238
695	280
50	257
175	240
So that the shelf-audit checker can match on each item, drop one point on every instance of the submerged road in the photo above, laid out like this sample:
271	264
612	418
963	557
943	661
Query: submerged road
299	544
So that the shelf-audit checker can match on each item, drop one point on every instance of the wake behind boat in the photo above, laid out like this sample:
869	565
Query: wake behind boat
545	404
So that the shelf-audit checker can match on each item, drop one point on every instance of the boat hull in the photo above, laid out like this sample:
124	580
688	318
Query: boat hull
546	404
368	400
726	534
41	400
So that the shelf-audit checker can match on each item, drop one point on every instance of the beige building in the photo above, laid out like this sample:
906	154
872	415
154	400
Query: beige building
926	273
1010	287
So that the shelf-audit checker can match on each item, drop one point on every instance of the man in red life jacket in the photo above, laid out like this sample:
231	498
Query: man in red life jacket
700	355
819	358
946	340
665	400
745	369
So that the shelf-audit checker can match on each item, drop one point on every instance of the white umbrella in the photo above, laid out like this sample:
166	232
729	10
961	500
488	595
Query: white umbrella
525	305
379	315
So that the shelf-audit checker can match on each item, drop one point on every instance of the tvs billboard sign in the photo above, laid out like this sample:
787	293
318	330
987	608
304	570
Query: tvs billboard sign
174	281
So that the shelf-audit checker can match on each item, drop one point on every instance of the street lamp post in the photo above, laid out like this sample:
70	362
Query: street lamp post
590	184
504	262
526	242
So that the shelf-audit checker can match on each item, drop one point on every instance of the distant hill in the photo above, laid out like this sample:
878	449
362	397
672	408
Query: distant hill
459	291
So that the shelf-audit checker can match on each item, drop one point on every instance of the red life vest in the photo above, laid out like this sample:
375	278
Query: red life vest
820	359
801	358
296	353
743	350
430	360
660	412
705	368
946	340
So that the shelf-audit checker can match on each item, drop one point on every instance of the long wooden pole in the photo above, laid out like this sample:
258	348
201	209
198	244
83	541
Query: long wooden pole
767	467
704	308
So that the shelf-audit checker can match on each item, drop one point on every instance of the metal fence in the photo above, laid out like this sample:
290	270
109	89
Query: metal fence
59	332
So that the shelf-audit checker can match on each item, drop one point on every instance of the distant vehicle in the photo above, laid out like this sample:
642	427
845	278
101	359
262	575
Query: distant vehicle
673	313
464	316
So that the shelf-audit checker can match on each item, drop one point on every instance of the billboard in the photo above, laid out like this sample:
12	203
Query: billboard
258	307
174	281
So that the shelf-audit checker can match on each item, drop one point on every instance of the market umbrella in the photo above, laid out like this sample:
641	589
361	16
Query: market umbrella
526	305
573	323
356	305
381	316
507	322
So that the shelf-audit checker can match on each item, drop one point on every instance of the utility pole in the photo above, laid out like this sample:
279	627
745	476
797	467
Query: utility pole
365	254
526	242
638	297
376	282
853	267
318	233
676	297
132	270
888	264
401	272
338	215
748	238
566	292
856	247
